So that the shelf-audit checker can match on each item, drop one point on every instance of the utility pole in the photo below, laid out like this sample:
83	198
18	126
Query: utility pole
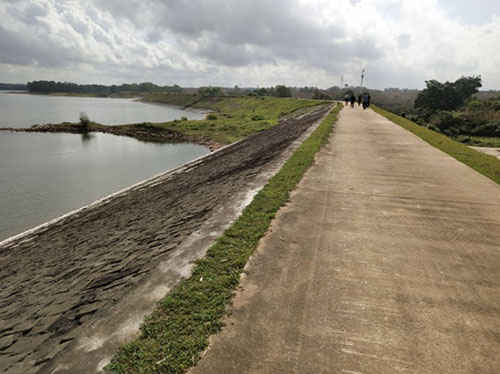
342	81
362	76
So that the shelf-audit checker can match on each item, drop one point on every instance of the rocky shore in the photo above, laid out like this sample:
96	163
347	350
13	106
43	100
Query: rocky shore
58	280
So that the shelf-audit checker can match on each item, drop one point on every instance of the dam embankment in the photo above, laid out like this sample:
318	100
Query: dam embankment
59	279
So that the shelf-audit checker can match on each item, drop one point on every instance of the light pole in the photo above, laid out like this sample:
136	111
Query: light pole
362	76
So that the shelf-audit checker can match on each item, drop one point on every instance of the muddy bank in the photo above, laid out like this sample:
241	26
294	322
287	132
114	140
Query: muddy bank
59	279
143	132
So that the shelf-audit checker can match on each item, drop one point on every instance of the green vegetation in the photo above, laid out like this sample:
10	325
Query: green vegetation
282	91
479	141
84	122
278	91
235	117
439	96
12	86
485	164
449	109
210	91
97	89
174	336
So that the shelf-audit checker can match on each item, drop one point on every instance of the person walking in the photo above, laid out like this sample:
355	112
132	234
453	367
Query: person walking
365	101
347	97
360	98
353	100
369	100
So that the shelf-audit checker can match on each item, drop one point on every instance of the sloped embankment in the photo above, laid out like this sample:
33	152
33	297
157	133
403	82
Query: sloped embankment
58	279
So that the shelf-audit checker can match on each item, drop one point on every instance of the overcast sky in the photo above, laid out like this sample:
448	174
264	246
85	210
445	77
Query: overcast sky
400	43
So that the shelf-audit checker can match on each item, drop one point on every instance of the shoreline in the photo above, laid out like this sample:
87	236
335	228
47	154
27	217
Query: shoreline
142	132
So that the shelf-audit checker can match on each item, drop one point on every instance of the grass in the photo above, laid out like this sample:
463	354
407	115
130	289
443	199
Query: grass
483	163
236	117
480	141
231	119
174	336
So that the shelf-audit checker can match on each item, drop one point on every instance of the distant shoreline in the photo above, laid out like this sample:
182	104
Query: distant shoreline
120	95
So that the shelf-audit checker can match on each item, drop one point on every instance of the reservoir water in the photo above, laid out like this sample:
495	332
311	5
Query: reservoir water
24	110
43	176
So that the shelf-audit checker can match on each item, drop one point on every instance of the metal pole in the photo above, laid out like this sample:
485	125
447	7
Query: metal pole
362	76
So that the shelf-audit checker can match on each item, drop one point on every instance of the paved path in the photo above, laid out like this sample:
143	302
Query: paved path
387	260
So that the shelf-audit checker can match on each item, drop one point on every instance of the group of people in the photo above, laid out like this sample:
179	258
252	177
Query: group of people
362	99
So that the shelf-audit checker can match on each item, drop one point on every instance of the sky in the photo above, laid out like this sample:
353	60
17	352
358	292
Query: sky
250	43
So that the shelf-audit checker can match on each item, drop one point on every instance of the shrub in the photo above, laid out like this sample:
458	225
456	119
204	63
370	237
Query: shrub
491	128
84	122
211	117
445	120
184	119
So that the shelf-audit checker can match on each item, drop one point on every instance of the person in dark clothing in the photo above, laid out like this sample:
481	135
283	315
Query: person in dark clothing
365	101
353	100
360	98
369	99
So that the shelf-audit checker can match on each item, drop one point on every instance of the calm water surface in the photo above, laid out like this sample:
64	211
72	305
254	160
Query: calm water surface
43	176
24	110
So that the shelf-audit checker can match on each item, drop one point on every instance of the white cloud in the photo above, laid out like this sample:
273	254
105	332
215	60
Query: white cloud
197	42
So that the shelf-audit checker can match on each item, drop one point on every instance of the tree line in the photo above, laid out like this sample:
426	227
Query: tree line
44	86
452	109
12	86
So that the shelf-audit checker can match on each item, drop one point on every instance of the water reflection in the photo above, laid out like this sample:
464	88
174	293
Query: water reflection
86	137
46	175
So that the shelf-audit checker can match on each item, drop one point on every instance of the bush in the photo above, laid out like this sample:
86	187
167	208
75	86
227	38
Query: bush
184	119
211	117
445	121
491	128
84	122
433	128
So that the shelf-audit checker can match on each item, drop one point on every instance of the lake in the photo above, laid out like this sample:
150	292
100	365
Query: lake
43	176
24	110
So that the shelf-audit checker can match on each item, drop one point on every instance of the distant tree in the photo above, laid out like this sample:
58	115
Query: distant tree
262	92
318	95
51	86
12	86
210	91
447	96
282	91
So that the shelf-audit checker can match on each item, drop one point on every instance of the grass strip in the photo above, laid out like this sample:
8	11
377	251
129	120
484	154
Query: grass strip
234	117
483	163
174	336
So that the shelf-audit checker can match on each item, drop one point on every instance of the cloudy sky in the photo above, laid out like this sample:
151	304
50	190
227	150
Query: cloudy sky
400	43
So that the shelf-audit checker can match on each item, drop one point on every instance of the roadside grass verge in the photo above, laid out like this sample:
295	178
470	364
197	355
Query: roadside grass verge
234	117
483	163
174	336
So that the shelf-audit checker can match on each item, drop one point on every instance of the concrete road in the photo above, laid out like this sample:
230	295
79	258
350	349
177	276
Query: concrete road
387	260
